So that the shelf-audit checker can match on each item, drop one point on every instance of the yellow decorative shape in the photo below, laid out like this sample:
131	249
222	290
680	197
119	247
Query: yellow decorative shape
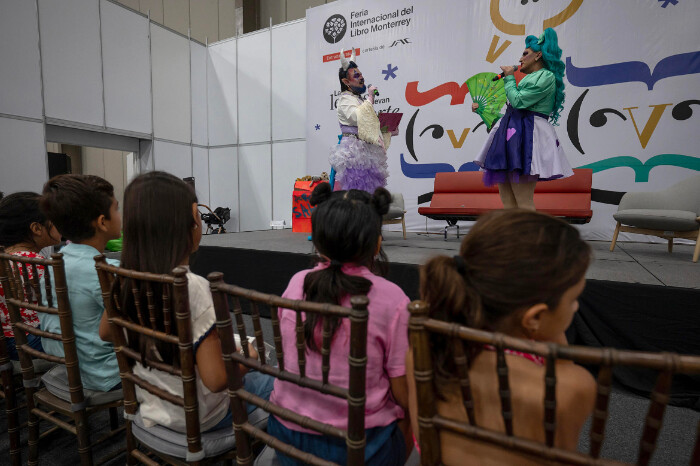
651	122
565	14
519	29
494	53
501	23
457	143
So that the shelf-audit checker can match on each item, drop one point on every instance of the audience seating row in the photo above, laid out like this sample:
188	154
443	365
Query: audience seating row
63	391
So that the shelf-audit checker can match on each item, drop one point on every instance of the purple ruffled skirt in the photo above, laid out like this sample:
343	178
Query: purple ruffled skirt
358	165
522	147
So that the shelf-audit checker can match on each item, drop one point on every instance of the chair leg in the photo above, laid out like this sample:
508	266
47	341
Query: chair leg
130	445
33	427
113	419
696	254
403	225
614	240
670	245
12	411
83	430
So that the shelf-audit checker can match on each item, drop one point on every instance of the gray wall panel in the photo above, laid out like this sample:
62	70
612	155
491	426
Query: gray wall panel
71	59
20	72
127	69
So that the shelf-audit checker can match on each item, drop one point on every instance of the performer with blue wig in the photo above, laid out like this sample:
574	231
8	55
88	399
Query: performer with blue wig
523	147
359	160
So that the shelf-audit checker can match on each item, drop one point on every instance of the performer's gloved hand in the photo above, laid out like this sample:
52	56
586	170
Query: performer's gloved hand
508	70
475	107
370	94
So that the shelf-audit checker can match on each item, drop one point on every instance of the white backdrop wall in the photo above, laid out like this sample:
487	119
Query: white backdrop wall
634	123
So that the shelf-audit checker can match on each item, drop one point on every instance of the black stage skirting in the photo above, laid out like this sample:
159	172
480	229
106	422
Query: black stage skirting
612	314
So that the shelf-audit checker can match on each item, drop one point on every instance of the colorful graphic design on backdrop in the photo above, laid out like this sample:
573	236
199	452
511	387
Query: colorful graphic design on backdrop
630	112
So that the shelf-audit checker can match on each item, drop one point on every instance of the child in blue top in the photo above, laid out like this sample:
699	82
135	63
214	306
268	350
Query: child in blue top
84	210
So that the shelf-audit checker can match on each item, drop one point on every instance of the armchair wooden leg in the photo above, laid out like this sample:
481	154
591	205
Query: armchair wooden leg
696	254
670	245
403	225
614	240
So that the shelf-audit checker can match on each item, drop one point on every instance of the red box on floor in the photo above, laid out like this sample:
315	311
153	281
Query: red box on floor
301	208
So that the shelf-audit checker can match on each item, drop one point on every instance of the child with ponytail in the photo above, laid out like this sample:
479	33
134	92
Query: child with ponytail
347	235
519	273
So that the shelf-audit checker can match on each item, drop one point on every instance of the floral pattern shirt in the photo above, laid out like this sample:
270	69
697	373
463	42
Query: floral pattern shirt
28	316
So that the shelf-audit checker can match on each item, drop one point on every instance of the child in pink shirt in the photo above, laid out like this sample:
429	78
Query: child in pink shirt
347	234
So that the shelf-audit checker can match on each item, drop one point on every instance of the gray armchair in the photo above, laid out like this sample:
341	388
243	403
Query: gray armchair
671	213
396	212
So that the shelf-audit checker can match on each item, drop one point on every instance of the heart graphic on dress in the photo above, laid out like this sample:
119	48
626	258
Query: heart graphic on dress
509	133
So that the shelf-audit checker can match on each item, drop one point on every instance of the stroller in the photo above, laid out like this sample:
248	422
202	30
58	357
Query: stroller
215	219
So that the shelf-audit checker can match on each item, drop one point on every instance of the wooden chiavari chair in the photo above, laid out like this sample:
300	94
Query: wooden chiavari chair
354	394
8	393
66	405
172	447
431	423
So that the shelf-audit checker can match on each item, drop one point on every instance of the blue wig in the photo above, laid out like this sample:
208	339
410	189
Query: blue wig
548	44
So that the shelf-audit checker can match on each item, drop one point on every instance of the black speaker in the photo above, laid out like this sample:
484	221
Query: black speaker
59	164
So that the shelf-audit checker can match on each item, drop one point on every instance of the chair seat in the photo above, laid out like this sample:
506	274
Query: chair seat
395	211
56	382
267	457
172	443
657	219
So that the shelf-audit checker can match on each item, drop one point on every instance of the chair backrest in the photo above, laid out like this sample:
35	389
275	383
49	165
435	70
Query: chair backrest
23	290
176	330
430	422
354	436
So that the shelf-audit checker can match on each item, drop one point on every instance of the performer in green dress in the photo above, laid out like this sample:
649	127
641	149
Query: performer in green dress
523	147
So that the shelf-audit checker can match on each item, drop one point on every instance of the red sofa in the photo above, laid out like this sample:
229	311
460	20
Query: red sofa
463	196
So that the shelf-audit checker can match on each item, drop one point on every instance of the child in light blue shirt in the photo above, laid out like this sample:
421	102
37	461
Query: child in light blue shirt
84	210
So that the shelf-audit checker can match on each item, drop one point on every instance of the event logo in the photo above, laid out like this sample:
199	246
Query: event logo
633	71
400	42
334	28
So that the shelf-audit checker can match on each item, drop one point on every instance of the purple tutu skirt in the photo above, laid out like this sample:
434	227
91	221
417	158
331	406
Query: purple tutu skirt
358	165
523	147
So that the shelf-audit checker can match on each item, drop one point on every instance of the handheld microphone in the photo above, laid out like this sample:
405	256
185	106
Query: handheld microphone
502	75
376	92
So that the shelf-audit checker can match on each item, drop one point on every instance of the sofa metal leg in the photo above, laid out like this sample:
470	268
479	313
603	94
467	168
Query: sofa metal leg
670	245
614	240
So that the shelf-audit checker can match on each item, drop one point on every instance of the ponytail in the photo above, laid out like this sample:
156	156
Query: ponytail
346	229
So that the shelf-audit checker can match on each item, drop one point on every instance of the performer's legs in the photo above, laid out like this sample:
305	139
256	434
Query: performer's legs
524	194
507	197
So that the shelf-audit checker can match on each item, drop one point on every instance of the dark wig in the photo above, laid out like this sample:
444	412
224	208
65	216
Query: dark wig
346	229
158	226
17	213
342	74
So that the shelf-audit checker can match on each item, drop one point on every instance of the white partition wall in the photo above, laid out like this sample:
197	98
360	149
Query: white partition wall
288	86
22	156
255	178
71	60
173	158
254	87
127	69
223	183
200	171
221	93
20	72
198	84
170	56
288	164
